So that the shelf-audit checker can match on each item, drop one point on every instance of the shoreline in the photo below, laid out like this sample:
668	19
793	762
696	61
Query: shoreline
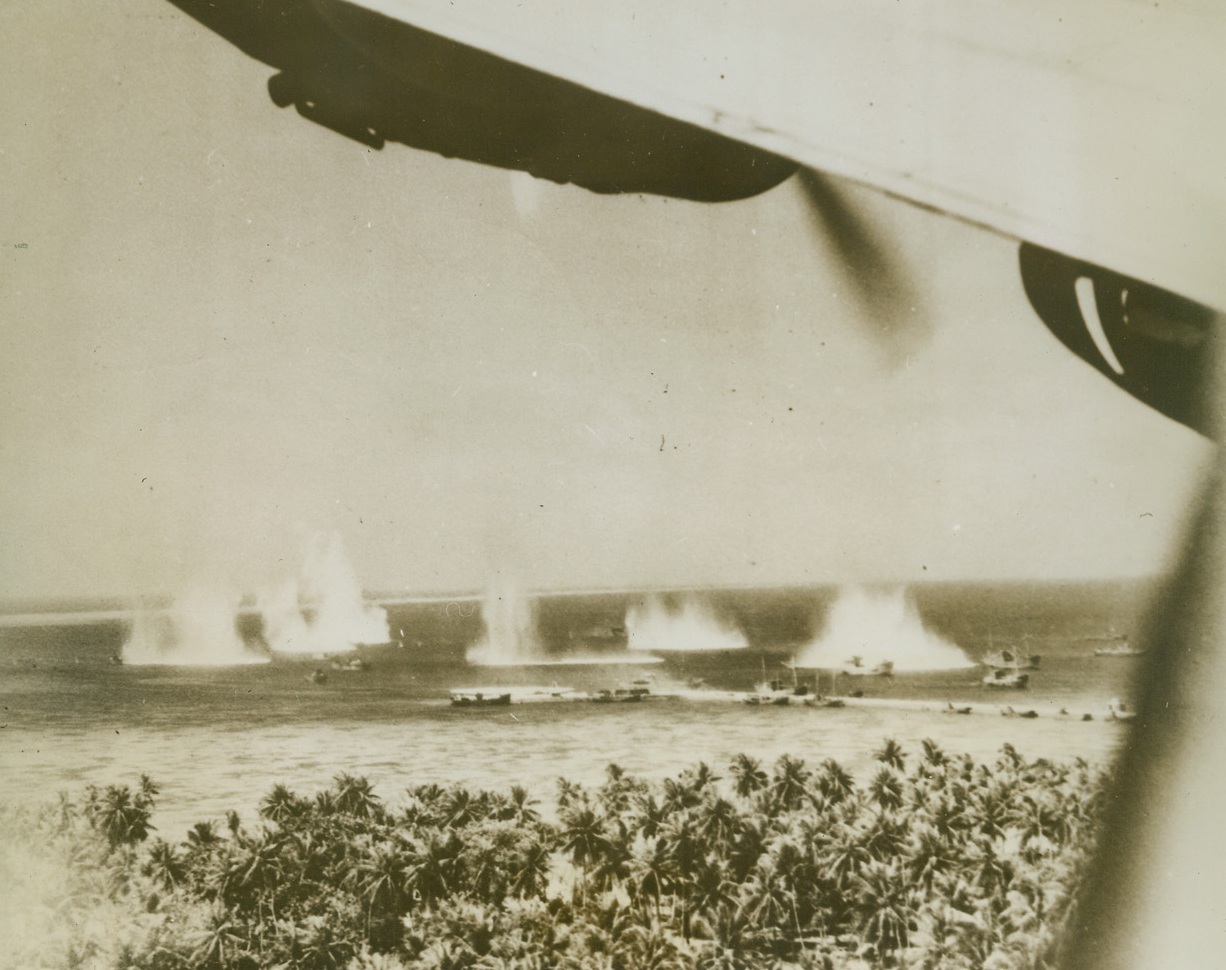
1111	711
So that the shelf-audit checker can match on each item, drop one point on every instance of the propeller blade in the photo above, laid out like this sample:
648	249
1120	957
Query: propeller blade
873	267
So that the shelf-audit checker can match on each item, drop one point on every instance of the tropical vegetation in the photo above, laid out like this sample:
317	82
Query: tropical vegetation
929	860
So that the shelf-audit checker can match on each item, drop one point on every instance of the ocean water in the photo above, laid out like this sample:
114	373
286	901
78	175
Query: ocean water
217	738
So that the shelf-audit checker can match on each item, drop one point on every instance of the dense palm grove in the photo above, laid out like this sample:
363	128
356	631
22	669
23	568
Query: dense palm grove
931	860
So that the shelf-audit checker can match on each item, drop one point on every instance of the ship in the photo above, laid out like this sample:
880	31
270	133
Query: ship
1008	660
621	695
1118	647
479	697
774	693
855	667
1006	678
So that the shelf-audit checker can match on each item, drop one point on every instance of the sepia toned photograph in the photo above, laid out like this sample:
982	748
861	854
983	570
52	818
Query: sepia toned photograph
546	486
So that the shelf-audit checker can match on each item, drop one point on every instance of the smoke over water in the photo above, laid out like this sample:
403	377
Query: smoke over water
323	610
879	626
511	634
199	630
690	626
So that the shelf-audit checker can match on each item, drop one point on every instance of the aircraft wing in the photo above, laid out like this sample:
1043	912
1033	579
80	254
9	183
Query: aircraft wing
1091	129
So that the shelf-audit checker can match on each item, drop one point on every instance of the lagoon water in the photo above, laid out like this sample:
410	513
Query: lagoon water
217	738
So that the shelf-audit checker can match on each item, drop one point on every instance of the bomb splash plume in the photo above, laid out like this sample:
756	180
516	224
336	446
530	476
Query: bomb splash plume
323	609
691	625
198	630
511	636
879	626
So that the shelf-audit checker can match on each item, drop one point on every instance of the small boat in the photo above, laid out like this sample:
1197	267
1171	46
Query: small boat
776	693
766	698
1008	660
1118	711
602	638
480	697
1006	678
816	700
552	692
353	665
855	667
622	695
1120	648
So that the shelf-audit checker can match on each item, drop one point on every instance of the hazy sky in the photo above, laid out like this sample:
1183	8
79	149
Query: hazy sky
226	329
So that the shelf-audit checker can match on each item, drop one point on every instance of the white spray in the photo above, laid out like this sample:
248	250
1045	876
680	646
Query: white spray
879	626
323	610
511	635
691	625
198	630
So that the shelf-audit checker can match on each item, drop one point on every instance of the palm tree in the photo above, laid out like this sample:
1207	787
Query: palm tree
768	899
748	774
612	866
380	876
434	866
930	856
747	847
1041	818
891	753
219	943
679	795
616	792
979	937
834	782
570	793
648	815
521	810
886	913
422	807
321	944
283	807
947	816
458	808
164	865
685	847
202	834
989	811
355	796
251	875
847	854
934	754
529	869
648	948
717	821
651	871
886	836
886	789
789	783
583	839
991	867
700	777
1009	758
325	803
124	819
